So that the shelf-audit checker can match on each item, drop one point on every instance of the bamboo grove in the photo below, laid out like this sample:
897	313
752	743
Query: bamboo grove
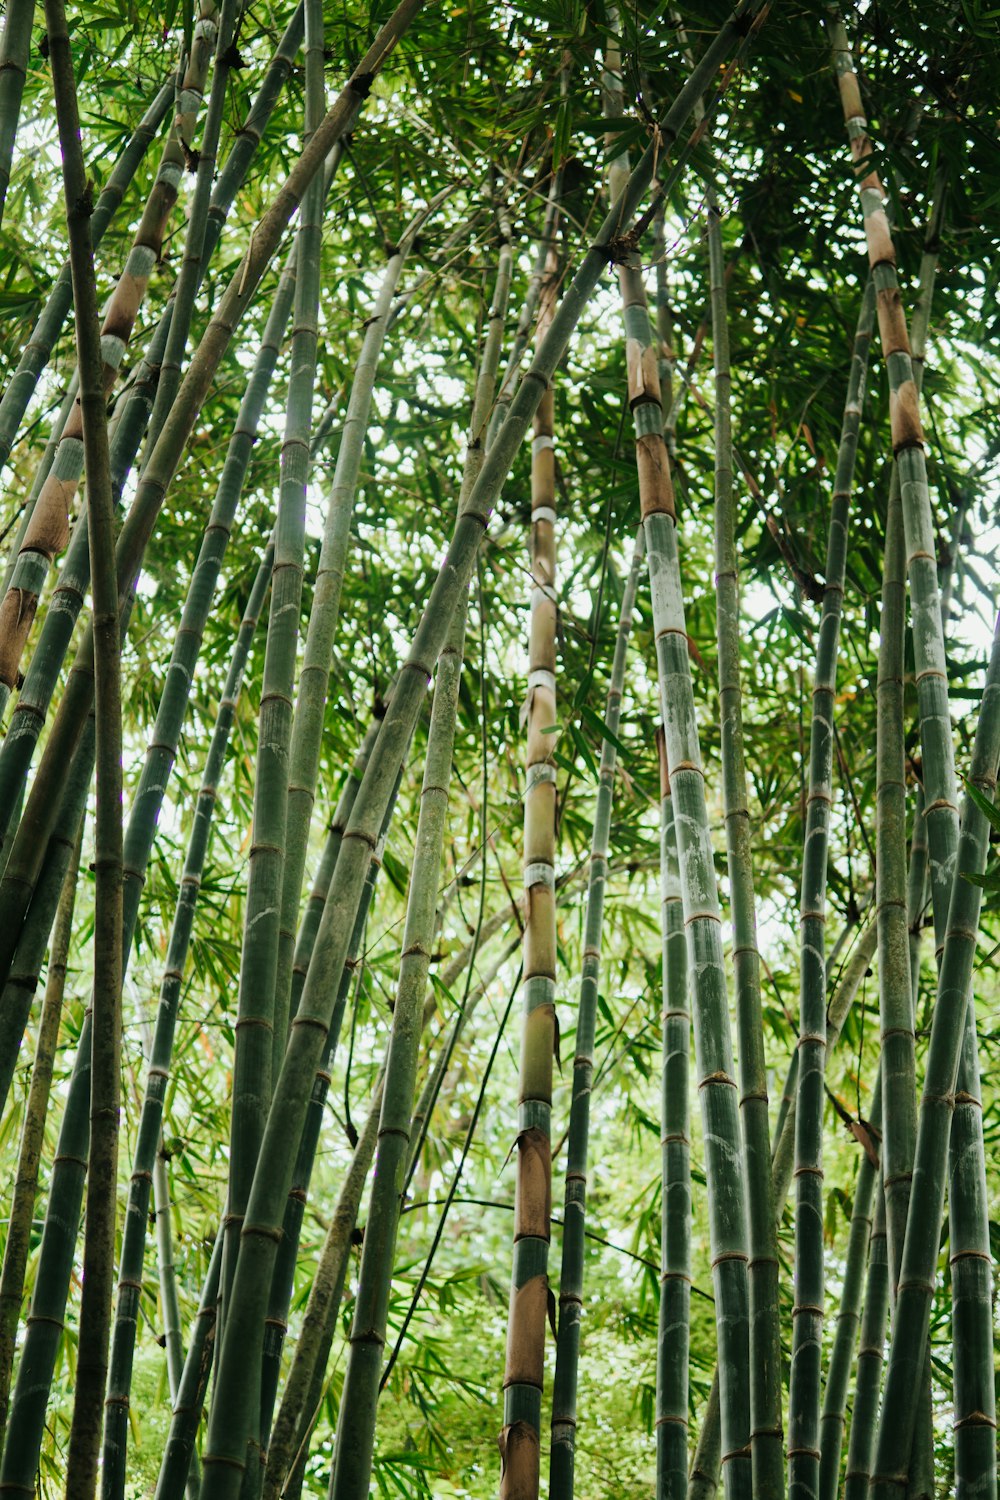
500	678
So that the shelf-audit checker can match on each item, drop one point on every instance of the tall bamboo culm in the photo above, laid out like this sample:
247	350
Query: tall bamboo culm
307	1039
571	1277
766	1444
524	1363
806	1371
14	47
105	1085
674	1324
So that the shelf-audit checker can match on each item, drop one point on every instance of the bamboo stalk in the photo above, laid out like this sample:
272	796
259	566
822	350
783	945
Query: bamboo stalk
105	1086
252	1058
766	1437
307	1039
14	47
180	1445
804	1391
310	704
703	1481
674	1323
524	1363
22	1208
161	1049
864	1417
571	1276
937	1107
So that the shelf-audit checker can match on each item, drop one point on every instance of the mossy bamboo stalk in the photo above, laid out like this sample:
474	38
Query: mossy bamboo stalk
307	1039
524	1364
22	1208
766	1438
806	1367
674	1323
14	48
162	464
937	1109
48	531
35	356
105	1083
310	705
161	1049
254	1045
571	1277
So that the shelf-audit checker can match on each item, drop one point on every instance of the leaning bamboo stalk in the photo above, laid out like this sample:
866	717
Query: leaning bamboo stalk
254	1043
766	1445
806	1373
310	705
524	1363
937	1108
48	531
105	1086
307	1039
22	1208
42	474
674	1323
35	356
161	1050
571	1277
163	462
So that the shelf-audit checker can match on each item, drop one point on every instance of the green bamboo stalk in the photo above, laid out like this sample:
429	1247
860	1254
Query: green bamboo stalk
170	1305
571	1277
937	1108
48	531
303	1389
864	1417
834	1421
806	1373
310	705
14	48
306	1042
766	1437
351	1473
180	1445
161	1049
105	1088
252	1059
524	1365
164	461
674	1329
35	356
703	1481
22	1208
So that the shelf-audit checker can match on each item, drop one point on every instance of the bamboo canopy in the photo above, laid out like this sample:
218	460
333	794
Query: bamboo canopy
499	731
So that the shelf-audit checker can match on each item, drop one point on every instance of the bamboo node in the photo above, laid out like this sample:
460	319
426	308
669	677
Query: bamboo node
975	1419
717	1077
